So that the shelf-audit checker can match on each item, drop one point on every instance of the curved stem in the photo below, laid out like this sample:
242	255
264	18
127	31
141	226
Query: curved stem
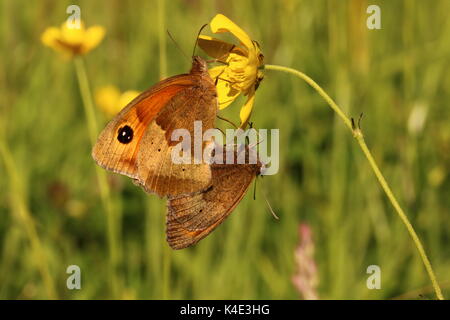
167	254
357	133
105	193
162	39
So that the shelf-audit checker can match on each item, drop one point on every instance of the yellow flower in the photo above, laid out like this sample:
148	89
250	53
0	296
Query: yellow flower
73	41
241	72
111	101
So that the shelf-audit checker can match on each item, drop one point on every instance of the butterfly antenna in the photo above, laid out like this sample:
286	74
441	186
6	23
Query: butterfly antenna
268	204
229	121
247	140
177	45
196	39
259	136
254	190
221	131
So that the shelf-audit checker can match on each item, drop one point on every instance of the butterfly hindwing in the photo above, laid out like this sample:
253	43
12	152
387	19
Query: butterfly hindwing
190	218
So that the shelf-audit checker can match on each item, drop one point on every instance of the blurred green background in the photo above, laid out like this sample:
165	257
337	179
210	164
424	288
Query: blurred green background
50	207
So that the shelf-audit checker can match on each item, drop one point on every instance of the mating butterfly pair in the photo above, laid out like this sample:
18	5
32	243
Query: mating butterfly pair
137	143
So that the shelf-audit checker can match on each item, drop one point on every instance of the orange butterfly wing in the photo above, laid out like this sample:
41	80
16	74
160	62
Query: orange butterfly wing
118	157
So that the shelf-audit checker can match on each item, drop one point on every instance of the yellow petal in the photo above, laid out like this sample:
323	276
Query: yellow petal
49	37
72	36
220	24
216	71
225	94
218	49
71	40
246	110
92	37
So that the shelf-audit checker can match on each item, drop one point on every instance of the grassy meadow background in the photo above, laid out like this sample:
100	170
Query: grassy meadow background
51	215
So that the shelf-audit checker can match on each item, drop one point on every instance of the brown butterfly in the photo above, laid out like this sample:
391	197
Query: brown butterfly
137	142
192	217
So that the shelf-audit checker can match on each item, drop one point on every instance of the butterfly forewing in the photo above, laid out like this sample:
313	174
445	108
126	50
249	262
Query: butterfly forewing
125	145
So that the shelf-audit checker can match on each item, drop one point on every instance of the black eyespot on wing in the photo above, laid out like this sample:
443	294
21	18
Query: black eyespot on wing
125	134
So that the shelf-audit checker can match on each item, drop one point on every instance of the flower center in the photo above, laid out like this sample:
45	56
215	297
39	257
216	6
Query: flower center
240	73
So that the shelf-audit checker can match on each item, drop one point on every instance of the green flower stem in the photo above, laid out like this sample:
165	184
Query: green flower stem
162	39
357	133
167	259
20	208
111	214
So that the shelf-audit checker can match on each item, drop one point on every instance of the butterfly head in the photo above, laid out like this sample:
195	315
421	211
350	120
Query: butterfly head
199	65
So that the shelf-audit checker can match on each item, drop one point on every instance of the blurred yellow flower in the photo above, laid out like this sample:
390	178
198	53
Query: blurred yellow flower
437	176
242	69
111	101
73	41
